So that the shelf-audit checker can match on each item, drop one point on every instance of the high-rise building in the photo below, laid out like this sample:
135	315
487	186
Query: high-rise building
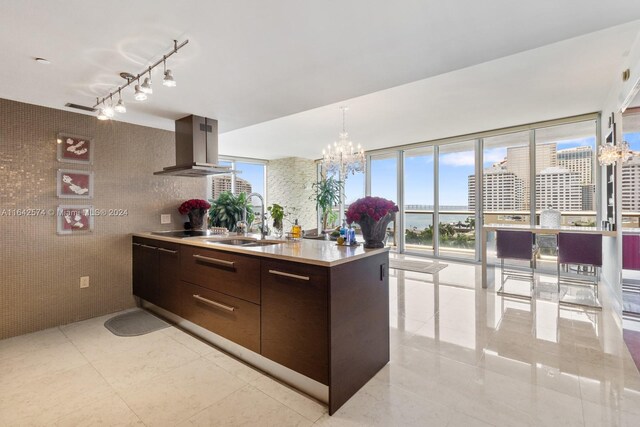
559	188
502	190
578	159
631	185
518	163
222	183
588	197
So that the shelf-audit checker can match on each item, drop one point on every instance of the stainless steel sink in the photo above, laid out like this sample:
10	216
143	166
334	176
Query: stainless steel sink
232	242
246	243
261	243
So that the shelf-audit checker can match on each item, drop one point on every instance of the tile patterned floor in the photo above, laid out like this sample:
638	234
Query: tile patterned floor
460	356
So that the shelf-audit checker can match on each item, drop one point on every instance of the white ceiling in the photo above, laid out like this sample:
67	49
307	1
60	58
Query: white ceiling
559	80
254	61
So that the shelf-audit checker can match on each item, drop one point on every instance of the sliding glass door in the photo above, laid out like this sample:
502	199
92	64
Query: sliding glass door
384	183
418	212
456	220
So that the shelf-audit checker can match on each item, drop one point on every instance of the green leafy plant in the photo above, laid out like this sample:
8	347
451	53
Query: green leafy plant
227	210
327	195
277	214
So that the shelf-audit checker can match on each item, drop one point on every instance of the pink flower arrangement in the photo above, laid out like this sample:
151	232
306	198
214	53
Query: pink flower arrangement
375	208
192	204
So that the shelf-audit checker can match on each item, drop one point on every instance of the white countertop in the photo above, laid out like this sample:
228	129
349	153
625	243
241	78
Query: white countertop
550	230
317	252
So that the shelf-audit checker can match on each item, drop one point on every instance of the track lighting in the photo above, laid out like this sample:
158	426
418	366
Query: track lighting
139	95
168	79
106	111
168	76
102	115
120	108
146	85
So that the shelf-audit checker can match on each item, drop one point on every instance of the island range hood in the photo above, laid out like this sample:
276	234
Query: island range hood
196	149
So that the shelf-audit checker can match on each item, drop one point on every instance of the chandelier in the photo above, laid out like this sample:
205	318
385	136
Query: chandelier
341	157
609	153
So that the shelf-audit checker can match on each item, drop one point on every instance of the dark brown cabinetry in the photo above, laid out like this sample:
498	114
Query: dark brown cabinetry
155	272
295	317
233	318
330	324
225	272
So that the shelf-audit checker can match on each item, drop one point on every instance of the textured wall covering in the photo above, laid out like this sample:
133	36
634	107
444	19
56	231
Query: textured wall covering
289	184
39	270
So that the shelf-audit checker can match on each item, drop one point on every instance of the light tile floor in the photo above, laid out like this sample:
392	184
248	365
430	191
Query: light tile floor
460	356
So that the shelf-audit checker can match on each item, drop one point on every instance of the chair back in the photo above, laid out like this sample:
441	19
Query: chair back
514	244
576	248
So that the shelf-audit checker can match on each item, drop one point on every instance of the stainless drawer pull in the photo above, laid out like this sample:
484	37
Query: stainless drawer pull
214	304
169	251
293	276
215	261
148	247
136	244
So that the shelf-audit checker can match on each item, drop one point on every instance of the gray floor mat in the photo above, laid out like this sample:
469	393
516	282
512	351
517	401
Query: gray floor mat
134	323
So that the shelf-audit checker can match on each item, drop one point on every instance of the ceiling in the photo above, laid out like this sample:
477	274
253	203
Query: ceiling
253	61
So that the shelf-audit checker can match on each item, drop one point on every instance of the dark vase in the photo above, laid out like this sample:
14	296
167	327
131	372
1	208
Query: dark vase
374	233
196	218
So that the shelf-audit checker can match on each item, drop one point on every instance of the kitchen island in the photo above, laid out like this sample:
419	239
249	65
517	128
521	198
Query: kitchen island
310	313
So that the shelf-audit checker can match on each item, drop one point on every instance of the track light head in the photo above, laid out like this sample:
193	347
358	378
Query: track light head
168	79
139	95
120	108
102	115
146	86
109	111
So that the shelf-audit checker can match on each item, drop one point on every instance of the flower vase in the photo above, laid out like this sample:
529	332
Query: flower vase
196	218
374	233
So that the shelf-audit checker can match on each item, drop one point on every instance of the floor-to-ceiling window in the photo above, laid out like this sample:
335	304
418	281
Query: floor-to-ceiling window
384	183
630	184
565	177
516	172
418	187
506	179
456	228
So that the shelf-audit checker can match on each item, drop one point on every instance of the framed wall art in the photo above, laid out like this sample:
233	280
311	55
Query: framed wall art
75	184
75	149
74	219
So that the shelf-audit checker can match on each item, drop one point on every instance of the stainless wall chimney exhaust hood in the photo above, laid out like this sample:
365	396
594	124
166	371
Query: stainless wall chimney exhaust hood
196	149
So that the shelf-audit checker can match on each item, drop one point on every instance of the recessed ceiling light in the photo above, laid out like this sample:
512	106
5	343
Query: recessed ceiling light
43	61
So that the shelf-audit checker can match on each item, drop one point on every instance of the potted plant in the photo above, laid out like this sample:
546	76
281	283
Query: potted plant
373	214
227	210
327	195
277	214
195	209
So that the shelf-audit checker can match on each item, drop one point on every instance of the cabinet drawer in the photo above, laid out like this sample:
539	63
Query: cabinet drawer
233	318
295	317
225	272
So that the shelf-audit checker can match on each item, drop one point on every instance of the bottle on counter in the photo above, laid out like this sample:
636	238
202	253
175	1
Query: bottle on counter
296	230
347	237
343	229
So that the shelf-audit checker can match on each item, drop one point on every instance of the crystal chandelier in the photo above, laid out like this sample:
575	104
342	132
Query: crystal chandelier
341	157
609	153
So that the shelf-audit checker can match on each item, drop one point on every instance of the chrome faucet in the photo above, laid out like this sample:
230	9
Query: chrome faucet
263	231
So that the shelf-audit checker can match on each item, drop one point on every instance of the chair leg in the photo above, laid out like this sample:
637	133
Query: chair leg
558	275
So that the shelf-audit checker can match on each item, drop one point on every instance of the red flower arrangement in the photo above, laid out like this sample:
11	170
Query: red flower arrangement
375	208
192	204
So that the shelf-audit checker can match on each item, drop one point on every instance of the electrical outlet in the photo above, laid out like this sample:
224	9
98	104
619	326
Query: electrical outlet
84	282
165	219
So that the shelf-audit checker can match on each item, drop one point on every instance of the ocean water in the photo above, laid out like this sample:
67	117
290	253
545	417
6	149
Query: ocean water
422	221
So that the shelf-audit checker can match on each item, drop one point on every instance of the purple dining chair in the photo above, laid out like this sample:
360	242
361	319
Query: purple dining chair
584	251
518	245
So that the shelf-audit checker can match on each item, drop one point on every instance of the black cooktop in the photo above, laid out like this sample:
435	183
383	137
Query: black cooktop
183	233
